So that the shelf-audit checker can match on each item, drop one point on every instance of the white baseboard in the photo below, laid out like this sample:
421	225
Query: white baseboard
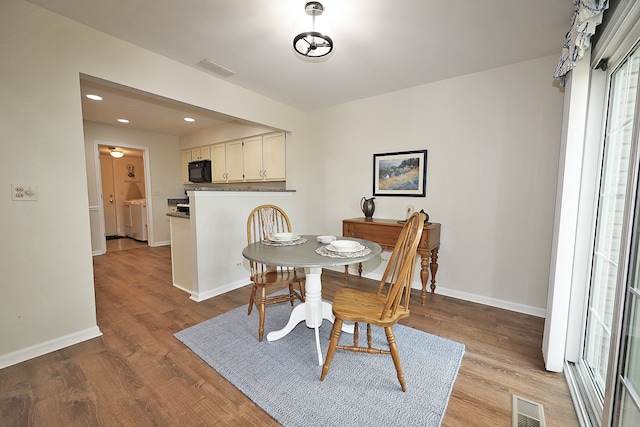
466	296
198	297
40	349
163	243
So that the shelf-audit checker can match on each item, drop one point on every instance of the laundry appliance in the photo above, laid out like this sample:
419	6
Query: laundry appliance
135	219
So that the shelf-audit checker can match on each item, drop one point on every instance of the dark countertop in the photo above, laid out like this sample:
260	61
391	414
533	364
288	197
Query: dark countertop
184	215
174	202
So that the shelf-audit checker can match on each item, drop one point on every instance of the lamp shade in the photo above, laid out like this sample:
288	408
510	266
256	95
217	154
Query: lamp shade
313	44
116	153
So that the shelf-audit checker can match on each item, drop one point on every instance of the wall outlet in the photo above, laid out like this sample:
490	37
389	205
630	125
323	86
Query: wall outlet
23	192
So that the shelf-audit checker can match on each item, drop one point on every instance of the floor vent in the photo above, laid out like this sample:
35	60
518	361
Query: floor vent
526	413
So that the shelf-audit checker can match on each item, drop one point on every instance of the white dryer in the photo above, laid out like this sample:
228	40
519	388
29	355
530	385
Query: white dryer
135	219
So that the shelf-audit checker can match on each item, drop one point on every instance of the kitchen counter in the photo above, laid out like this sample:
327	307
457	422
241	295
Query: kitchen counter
175	202
178	214
207	244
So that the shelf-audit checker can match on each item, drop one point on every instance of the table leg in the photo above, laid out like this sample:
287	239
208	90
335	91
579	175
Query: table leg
313	311
434	267
424	276
346	273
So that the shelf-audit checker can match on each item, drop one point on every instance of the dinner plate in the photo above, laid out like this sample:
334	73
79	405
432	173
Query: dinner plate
284	238
346	250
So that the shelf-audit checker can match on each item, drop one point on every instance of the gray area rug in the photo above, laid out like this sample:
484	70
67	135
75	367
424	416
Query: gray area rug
283	377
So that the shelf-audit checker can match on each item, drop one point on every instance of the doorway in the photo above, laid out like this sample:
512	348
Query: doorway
124	202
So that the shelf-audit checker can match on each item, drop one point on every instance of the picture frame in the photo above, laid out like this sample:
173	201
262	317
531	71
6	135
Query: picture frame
400	174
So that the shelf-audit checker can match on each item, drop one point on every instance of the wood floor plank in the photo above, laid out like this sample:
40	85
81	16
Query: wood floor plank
138	374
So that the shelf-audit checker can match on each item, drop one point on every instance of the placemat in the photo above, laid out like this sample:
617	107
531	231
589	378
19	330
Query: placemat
322	250
299	241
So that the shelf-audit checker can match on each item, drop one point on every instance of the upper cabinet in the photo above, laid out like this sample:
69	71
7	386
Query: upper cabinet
226	162
264	158
200	153
258	158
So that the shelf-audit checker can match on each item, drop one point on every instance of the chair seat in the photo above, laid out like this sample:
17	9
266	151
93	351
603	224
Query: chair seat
353	305
283	277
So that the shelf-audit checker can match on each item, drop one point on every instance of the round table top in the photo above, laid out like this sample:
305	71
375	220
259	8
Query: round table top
304	255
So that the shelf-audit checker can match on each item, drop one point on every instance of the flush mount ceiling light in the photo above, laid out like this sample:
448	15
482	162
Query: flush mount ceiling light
313	44
115	152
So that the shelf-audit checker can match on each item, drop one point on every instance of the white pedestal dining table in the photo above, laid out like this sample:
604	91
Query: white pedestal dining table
312	256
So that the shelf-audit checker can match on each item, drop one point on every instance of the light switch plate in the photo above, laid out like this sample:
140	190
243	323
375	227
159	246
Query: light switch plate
24	192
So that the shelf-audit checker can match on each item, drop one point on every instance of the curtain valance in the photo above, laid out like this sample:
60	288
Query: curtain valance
587	16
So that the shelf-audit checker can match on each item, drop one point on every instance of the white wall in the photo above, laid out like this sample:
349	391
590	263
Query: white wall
493	143
165	170
493	139
46	286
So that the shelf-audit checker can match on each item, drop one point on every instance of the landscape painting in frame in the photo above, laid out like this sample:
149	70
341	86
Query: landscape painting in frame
400	174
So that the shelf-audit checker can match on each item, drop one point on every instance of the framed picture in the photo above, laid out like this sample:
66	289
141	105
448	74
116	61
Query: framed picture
400	174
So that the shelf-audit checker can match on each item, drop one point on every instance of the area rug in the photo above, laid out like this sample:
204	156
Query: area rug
283	377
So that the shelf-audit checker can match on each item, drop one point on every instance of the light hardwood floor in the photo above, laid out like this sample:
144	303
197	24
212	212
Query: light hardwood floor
138	374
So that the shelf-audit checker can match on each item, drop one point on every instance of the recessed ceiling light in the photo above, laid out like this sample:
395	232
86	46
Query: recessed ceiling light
189	119
123	120
94	97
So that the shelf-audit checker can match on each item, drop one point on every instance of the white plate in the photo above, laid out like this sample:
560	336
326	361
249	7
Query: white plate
344	244
284	237
326	239
346	250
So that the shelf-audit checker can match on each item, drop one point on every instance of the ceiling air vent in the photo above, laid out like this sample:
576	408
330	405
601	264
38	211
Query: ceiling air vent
526	413
214	68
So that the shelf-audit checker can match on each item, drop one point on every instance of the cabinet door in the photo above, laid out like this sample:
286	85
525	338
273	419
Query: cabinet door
234	160
200	153
186	158
218	163
274	156
252	156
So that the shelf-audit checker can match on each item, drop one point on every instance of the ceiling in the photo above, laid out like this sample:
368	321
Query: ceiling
380	45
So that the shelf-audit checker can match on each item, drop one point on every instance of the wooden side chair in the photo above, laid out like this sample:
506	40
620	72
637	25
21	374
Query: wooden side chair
264	221
382	308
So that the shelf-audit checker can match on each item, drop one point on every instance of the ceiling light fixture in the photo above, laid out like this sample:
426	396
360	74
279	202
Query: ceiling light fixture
123	120
94	97
189	119
114	152
313	44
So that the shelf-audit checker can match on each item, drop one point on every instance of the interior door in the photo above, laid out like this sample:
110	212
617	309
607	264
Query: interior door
108	196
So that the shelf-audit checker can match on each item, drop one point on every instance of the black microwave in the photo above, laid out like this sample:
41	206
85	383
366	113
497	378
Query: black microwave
200	171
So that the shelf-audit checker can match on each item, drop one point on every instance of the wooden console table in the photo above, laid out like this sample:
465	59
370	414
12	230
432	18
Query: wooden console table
385	232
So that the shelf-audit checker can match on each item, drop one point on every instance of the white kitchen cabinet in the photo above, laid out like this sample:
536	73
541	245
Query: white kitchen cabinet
200	153
274	157
264	158
252	156
181	253
218	163
234	160
226	161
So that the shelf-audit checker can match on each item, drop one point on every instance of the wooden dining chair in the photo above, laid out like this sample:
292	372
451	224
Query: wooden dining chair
263	222
382	308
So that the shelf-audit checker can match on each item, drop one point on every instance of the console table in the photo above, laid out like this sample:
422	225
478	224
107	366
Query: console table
385	232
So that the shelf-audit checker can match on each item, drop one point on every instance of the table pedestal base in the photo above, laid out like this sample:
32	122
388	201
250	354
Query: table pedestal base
313	311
